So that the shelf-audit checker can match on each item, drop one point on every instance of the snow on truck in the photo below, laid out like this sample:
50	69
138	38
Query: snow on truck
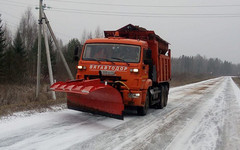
130	67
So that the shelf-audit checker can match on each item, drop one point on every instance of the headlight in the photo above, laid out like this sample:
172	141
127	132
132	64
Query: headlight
81	67
134	70
134	95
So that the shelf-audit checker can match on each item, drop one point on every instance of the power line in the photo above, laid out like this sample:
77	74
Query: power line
138	13
131	5
7	21
6	13
107	13
10	4
132	14
15	2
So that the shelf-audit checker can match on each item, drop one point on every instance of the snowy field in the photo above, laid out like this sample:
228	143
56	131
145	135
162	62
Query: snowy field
199	116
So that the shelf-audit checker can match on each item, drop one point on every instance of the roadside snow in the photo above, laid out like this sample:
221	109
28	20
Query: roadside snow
16	115
207	129
52	130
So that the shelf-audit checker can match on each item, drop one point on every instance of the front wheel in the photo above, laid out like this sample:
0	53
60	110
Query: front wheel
160	104
143	110
166	95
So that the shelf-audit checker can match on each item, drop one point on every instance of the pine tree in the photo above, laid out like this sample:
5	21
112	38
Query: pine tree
20	57
72	46
2	51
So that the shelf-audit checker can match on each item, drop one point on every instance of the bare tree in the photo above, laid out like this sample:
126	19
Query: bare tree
28	29
98	33
89	36
84	36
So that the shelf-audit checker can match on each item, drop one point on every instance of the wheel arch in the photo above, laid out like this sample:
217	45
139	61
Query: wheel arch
147	84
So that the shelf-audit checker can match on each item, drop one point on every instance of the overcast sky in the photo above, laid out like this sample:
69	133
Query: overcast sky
207	27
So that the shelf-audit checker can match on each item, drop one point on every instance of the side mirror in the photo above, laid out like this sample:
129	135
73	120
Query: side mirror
147	56
76	56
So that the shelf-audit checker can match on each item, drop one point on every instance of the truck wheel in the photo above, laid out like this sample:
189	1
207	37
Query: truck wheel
142	111
166	90
160	104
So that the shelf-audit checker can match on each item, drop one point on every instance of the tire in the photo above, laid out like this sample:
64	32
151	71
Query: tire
166	95
142	111
160	104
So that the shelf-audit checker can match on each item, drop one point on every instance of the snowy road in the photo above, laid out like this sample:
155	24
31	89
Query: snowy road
204	115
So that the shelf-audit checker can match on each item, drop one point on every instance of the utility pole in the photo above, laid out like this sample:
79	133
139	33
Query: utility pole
39	49
43	24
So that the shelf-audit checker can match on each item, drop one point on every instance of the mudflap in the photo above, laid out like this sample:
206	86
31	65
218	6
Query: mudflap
92	96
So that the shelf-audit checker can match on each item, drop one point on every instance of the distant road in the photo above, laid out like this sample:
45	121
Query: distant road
204	115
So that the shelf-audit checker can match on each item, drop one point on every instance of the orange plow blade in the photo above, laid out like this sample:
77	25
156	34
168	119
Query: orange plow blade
92	96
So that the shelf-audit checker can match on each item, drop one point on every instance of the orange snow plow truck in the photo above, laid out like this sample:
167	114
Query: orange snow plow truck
130	67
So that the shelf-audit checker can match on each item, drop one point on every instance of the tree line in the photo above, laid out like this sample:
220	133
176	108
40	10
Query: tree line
18	55
201	65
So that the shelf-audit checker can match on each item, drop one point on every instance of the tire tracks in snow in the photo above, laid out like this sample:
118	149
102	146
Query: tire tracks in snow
158	128
230	138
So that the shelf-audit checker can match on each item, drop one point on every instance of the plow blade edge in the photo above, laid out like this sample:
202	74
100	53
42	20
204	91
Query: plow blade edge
92	96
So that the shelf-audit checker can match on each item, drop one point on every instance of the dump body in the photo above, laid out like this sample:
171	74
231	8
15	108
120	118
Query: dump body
133	67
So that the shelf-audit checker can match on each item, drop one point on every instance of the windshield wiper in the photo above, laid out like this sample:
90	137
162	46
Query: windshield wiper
120	60
93	59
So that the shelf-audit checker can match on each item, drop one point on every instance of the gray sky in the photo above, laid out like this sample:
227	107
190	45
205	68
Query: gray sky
214	34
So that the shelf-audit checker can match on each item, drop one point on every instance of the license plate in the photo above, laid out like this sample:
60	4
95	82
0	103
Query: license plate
108	73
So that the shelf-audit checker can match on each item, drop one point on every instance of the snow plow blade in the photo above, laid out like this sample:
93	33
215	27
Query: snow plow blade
92	96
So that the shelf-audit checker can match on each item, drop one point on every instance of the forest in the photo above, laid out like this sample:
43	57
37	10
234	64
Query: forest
18	62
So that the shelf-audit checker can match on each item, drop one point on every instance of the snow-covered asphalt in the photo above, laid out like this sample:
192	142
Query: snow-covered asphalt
204	115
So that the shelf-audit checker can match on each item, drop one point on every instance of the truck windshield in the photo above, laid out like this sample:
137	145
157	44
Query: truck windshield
112	52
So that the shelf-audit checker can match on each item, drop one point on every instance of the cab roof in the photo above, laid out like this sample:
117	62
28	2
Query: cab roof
118	40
